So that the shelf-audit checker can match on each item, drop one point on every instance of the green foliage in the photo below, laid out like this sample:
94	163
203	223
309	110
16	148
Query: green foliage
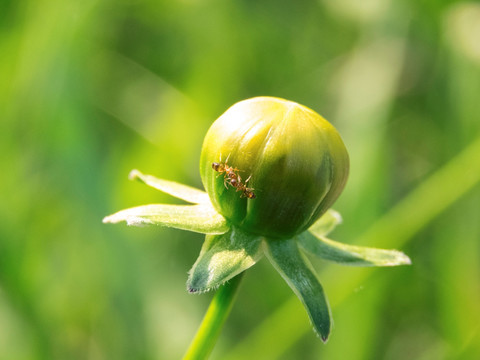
222	257
229	254
350	255
90	90
181	191
198	218
300	276
233	251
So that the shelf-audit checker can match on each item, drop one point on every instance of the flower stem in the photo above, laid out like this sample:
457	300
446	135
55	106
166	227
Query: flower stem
207	334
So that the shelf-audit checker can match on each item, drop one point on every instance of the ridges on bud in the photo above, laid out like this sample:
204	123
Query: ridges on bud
272	167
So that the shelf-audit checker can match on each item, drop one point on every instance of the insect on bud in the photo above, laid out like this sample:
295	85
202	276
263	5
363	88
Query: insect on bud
272	167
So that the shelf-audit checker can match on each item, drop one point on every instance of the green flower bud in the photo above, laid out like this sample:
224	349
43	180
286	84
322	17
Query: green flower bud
272	167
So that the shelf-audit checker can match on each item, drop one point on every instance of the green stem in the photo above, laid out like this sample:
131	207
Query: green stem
207	334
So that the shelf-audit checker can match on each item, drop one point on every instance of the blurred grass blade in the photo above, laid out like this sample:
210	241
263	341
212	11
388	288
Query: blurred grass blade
184	192
300	276
348	254
198	218
222	257
327	223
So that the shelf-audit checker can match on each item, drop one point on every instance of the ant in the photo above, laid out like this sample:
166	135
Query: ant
234	179
246	191
230	177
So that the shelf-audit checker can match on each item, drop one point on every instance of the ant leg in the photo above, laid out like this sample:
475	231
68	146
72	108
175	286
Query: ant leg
225	182
241	187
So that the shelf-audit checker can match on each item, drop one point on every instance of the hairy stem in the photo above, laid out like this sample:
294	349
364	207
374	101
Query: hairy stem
207	334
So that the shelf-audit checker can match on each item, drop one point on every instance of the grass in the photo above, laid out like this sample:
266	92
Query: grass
92	90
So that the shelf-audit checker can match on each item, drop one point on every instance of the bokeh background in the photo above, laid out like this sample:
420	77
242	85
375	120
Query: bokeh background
92	89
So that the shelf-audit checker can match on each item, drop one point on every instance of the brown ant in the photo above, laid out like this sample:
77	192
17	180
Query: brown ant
246	191
234	179
230	177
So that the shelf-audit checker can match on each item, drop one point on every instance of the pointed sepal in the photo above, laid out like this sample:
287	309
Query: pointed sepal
180	191
351	255
198	218
327	223
300	276
222	257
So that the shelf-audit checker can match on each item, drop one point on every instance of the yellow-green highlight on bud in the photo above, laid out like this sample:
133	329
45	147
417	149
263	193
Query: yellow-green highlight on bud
282	166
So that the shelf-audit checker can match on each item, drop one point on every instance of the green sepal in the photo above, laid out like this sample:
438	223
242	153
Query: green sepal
300	276
180	191
327	223
352	255
222	257
198	218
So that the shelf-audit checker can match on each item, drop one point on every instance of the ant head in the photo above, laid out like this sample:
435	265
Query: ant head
250	194
217	166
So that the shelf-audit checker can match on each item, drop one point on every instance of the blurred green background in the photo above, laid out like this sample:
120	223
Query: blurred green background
92	89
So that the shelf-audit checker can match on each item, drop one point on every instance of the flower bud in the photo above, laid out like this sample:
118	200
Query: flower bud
272	167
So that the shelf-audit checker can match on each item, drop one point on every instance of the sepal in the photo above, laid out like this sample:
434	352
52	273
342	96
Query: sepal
327	223
300	276
198	218
180	191
351	255
222	257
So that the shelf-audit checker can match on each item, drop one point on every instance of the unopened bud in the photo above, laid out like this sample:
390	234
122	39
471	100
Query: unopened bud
272	167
